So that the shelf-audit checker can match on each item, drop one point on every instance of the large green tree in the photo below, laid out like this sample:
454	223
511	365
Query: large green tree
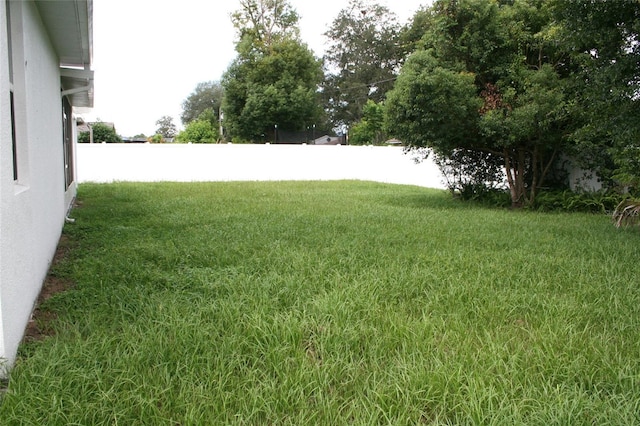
604	40
412	32
362	59
490	77
274	79
263	23
206	96
102	132
166	128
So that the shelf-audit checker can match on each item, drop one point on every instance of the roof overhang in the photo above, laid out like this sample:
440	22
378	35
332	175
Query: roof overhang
77	86
69	24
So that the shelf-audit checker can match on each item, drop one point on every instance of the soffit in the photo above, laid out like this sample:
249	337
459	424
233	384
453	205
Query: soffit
69	24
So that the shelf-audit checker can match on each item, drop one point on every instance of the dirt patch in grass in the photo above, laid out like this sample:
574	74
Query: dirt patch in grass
39	326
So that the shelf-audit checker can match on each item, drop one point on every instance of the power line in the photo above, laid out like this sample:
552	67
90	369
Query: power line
369	85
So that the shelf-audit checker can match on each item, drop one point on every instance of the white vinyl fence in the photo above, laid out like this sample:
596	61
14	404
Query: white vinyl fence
227	162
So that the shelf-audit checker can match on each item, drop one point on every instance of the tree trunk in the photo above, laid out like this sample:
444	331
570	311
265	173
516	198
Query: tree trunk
534	181
514	179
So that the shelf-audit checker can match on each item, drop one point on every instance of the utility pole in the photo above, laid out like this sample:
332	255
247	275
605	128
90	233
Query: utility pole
221	117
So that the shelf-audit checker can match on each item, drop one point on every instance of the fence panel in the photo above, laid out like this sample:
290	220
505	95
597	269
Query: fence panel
227	162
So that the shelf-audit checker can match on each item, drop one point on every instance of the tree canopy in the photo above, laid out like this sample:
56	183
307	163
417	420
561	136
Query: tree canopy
362	59
166	128
206	96
603	38
274	79
518	83
370	129
199	131
489	77
102	132
262	23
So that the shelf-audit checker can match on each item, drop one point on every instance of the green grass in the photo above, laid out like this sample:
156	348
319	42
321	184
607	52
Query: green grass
333	303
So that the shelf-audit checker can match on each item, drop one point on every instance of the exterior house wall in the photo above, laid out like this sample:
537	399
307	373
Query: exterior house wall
33	207
5	136
583	180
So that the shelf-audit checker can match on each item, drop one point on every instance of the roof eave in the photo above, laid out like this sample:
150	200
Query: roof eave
70	28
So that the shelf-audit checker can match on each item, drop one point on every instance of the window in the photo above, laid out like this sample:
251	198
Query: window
67	143
8	14
17	101
14	147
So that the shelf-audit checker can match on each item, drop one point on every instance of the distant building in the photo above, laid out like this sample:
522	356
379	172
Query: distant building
328	140
134	140
84	126
45	73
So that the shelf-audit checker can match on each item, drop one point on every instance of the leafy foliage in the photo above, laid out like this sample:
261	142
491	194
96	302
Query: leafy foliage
199	131
488	78
166	128
273	81
433	106
101	133
471	174
206	96
590	202
157	138
411	33
362	59
209	115
603	38
370	129
263	23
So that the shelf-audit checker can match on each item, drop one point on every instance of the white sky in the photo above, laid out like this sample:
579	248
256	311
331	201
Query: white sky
149	55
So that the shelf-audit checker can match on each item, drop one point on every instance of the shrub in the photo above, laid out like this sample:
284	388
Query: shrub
157	138
567	200
471	174
101	133
199	131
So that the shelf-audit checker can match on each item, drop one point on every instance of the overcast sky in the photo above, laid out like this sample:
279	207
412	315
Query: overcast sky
149	55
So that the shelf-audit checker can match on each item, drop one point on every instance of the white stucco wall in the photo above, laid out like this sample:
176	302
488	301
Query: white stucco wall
5	137
32	210
583	180
226	162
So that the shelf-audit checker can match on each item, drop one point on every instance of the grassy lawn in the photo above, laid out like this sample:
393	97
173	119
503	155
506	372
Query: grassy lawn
332	303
